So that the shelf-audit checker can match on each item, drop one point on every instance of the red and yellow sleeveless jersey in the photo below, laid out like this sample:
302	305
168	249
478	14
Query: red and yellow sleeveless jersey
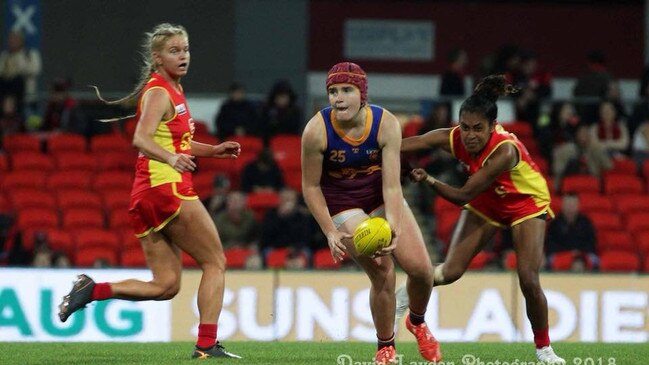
516	195
174	135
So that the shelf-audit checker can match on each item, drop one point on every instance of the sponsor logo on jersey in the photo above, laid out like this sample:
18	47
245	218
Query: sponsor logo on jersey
181	109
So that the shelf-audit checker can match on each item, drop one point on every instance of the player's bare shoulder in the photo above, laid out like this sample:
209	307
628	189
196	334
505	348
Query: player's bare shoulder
390	128
314	134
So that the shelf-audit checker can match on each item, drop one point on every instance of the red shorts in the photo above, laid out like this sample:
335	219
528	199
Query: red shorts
510	212
152	209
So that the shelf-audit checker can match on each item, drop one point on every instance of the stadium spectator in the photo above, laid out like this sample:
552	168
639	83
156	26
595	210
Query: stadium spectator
220	190
238	116
592	86
281	114
237	224
61	111
583	156
496	160
262	174
534	83
572	231
640	146
10	121
19	71
351	170
288	225
611	132
166	214
595	81
452	84
563	121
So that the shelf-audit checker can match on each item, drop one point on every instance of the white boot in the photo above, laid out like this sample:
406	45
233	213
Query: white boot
402	302
546	355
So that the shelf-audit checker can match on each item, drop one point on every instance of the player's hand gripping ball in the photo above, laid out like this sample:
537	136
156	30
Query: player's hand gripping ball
372	235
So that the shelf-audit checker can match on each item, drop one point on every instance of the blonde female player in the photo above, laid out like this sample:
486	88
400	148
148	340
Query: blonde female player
350	171
165	211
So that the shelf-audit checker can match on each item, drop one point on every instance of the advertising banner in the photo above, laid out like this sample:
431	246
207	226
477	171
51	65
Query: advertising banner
29	300
334	306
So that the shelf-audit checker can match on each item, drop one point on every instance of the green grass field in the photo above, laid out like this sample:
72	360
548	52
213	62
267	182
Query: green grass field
313	353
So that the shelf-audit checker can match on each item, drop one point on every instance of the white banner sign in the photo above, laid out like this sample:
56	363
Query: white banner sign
29	300
403	40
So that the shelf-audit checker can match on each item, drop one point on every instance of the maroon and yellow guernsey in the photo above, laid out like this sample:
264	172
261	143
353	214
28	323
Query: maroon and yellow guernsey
174	135
516	195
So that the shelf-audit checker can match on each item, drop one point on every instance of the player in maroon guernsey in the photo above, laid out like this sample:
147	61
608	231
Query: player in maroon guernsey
351	171
165	211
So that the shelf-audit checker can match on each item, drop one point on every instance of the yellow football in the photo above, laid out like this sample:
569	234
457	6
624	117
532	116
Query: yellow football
372	235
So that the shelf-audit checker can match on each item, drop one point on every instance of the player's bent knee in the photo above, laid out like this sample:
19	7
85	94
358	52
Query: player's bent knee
452	273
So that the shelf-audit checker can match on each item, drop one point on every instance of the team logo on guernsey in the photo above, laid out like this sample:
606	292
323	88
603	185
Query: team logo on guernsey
373	154
181	109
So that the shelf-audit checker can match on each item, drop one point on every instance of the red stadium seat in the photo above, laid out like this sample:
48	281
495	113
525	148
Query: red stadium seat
37	218
445	224
480	260
188	261
293	180
122	161
4	163
623	166
637	222
204	184
276	258
61	180
580	184
133	257
210	164
412	127
521	129
262	201
249	144
287	151
236	257
556	203
623	184
592	202
96	237
21	161
16	143
605	221
119	219
116	200
57	239
13	180
322	260
66	142
31	198
206	138
77	218
200	127
562	261
610	240
642	241
511	260
68	199
75	161
109	143
631	203
619	261
112	180
90	256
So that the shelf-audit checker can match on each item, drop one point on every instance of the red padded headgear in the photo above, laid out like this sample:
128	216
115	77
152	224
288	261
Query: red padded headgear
349	73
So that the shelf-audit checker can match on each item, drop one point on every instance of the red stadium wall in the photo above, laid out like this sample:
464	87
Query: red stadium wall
561	34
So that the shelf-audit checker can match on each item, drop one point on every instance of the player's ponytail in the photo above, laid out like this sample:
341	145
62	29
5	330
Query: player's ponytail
153	42
484	97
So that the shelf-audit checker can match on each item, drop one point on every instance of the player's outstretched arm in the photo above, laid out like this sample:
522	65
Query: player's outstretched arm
435	138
